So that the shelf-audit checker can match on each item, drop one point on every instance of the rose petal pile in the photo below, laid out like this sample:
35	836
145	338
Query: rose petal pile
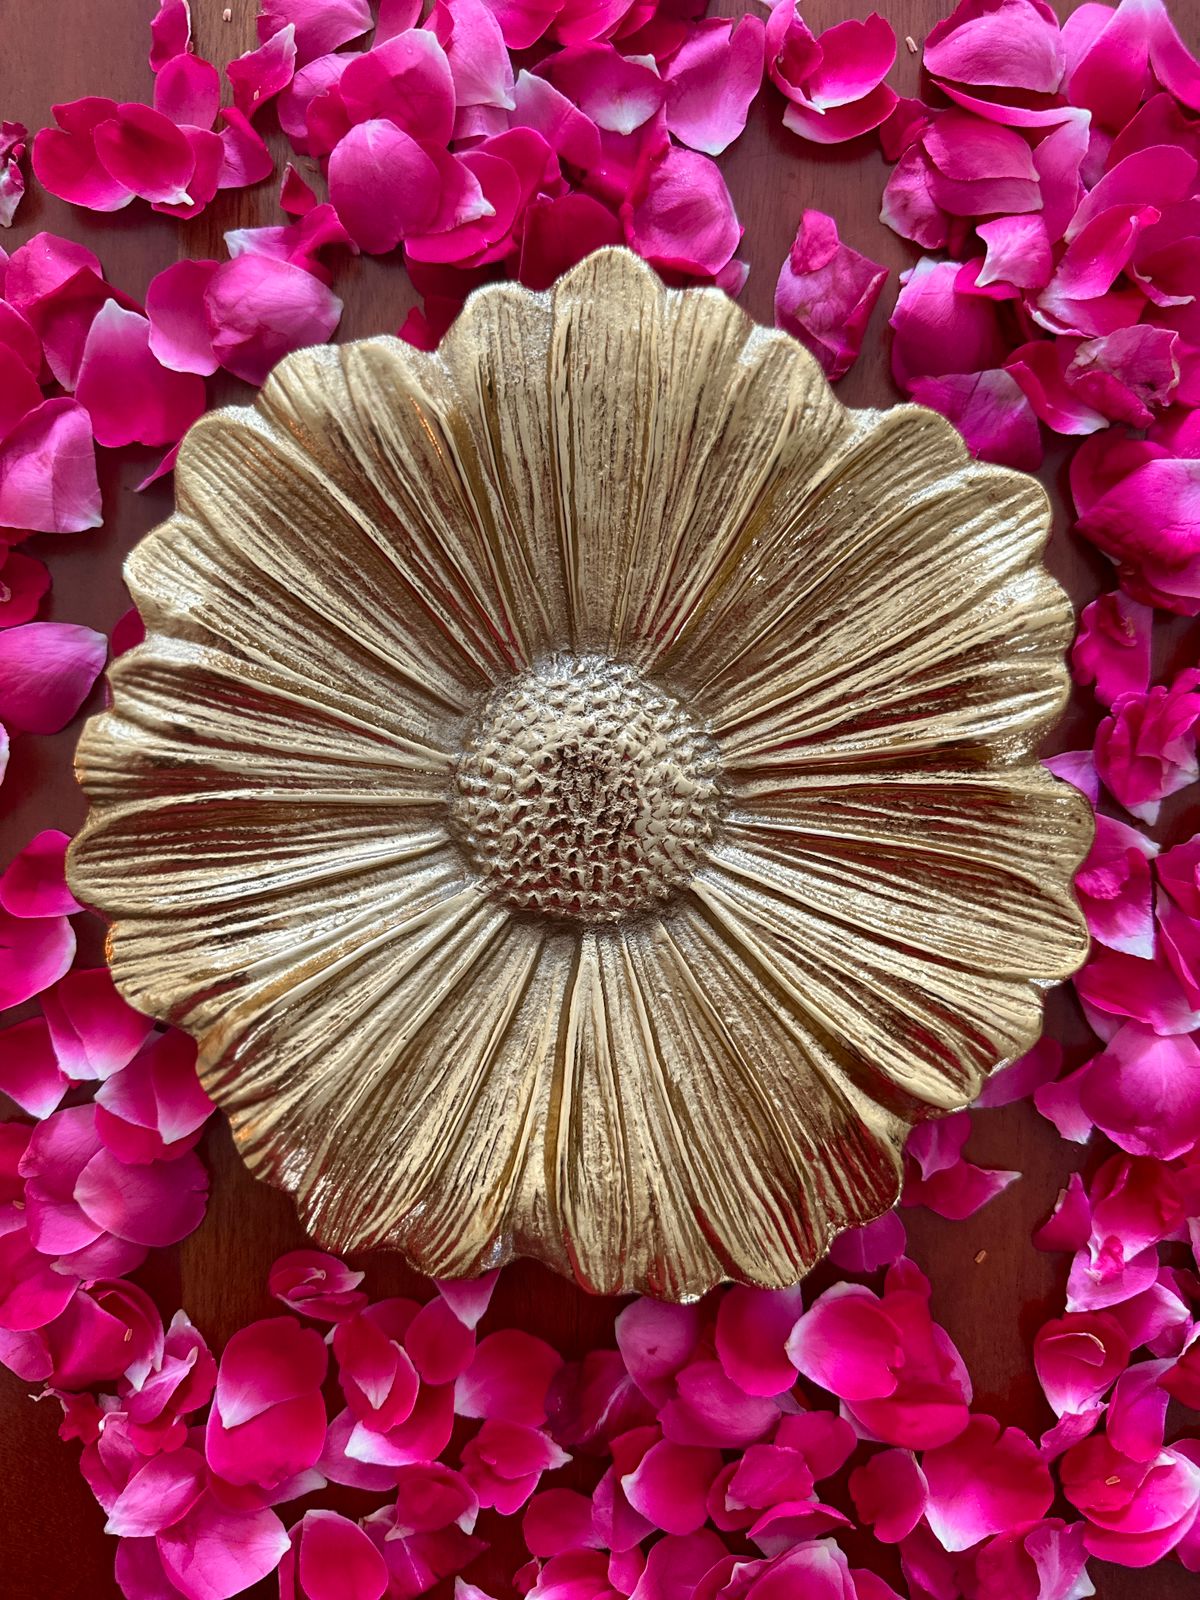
740	1447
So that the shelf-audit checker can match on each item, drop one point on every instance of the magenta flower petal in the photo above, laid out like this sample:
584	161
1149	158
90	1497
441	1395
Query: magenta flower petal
34	953
1078	1358
670	1486
320	25
878	1244
508	1379
656	1340
1143	1092
246	158
156	1107
441	1347
334	1560
47	670
260	310
407	81
143	150
558	233
66	162
24	582
188	91
180	337
170	32
48	471
614	91
149	1205
711	81
377	1376
266	1364
890	1493
680	216
1112	647
991	412
29	1070
846	1343
317	1285
984	1482
95	1031
1010	44
1146	747
475	48
826	293
1115	891
34	883
469	1298
259	75
157	1495
130	395
32	1292
20	391
216	1552
839	123
753	1326
383	185
557	1520
938	329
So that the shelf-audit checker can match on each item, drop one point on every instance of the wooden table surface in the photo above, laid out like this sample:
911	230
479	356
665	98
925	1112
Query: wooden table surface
991	1287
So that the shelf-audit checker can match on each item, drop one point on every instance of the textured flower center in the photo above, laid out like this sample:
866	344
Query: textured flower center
583	791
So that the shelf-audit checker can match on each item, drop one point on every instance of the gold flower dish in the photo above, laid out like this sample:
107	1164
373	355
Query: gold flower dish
579	787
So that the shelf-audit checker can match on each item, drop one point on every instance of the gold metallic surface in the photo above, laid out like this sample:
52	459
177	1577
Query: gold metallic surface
579	787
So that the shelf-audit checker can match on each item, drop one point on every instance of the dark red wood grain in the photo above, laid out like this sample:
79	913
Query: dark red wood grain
991	1288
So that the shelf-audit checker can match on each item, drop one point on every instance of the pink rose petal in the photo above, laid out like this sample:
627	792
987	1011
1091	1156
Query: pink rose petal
259	75
216	1552
29	1070
826	293
319	25
130	395
34	883
260	310
47	670
983	1482
34	953
680	216
180	336
95	1031
48	472
711	81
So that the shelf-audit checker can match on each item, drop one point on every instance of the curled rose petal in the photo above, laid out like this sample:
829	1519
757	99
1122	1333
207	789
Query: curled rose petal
1114	886
826	293
1143	1092
1112	646
1078	1358
316	1285
259	75
320	25
170	32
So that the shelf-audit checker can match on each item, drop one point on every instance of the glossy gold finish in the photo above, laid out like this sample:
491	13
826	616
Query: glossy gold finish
579	787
